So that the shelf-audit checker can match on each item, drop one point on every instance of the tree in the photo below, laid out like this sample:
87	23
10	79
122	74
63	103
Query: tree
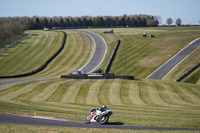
159	19
169	21
152	22
178	22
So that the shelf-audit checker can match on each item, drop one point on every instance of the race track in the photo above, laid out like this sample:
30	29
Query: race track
167	67
22	120
99	53
94	62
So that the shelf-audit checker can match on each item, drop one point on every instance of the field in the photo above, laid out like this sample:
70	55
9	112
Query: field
139	102
140	56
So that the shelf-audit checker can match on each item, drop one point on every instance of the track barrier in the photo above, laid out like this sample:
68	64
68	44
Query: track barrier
107	68
187	73
98	76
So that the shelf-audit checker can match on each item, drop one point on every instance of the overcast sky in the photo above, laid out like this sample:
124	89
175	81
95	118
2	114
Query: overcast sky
187	10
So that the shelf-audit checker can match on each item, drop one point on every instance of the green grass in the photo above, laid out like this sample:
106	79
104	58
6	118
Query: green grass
193	77
140	56
22	58
30	53
40	129
139	103
185	66
162	104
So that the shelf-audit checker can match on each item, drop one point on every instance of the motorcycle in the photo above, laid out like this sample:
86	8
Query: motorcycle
99	116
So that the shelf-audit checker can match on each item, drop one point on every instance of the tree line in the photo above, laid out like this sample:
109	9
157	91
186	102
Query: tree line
98	21
13	26
169	21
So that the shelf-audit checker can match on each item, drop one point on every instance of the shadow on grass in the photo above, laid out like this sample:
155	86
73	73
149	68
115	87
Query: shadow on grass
114	123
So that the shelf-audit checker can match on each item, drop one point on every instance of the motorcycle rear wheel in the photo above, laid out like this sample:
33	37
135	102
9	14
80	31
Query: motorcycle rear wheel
104	120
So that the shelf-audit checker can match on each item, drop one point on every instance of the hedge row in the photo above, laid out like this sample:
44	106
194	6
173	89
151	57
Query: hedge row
112	57
43	66
187	73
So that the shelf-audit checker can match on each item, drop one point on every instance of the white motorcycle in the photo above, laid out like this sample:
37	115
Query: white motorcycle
99	115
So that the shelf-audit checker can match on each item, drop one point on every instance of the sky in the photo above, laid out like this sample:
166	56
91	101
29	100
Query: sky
187	10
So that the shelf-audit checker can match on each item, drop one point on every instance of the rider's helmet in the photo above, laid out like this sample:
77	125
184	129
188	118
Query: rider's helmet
104	106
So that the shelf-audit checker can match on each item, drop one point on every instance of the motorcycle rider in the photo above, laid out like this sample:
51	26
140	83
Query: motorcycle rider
98	109
103	108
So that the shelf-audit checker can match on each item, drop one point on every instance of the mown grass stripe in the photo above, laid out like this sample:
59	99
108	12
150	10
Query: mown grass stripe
134	94
178	94
114	92
82	94
11	89
73	47
35	91
157	94
70	95
143	93
13	95
173	97
192	96
124	92
58	95
103	93
55	65
165	94
32	59
46	93
92	97
188	97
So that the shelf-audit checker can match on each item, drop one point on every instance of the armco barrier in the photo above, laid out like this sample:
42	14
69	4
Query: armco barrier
43	66
103	76
187	73
107	68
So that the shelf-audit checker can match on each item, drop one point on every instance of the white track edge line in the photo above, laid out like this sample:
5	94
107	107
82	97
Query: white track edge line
172	58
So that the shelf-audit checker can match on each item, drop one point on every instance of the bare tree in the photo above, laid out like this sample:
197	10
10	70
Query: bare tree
178	22
159	19
169	21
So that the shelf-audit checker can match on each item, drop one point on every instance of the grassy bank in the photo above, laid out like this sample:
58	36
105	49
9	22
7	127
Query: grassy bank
138	103
31	53
185	66
140	56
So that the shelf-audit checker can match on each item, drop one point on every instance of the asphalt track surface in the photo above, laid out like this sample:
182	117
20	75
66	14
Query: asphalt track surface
2	83
167	67
22	120
13	43
99	53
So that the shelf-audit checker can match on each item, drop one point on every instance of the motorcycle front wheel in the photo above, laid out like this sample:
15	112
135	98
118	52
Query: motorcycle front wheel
104	120
87	120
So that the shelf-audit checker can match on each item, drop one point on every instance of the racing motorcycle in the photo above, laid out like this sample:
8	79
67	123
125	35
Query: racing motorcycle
99	115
